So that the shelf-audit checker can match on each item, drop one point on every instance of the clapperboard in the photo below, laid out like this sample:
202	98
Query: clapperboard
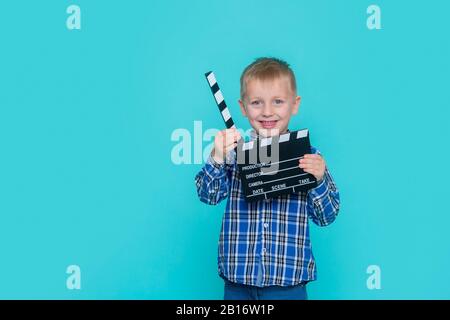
268	167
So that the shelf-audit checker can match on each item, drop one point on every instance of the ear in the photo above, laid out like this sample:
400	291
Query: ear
296	104
241	104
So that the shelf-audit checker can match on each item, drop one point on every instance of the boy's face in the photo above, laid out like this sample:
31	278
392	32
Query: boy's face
269	105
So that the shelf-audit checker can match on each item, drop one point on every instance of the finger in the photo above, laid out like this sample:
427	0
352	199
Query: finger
310	171
229	132
230	142
233	132
315	172
230	129
307	169
318	161
229	138
237	136
310	167
230	147
226	132
309	161
313	156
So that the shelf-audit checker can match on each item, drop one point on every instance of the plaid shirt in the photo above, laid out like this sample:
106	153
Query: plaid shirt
266	242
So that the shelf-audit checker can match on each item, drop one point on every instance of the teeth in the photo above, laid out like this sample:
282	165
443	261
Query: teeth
267	124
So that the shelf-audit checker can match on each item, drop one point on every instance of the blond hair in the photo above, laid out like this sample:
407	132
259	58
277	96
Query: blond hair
267	69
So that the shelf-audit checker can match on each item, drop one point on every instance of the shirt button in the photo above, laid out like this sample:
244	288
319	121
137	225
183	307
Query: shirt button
266	225
264	250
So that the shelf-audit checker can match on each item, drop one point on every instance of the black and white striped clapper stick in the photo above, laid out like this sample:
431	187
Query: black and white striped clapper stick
226	115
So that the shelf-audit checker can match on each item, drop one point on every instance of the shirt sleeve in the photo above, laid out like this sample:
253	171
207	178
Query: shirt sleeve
212	182
323	201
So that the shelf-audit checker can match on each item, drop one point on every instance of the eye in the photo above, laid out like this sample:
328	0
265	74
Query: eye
255	103
279	101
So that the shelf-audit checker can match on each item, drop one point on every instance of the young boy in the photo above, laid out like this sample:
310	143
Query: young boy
264	247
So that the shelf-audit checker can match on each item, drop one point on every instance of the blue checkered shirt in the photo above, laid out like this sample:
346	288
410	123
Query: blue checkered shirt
267	242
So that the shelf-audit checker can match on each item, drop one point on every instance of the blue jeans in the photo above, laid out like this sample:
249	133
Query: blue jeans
236	291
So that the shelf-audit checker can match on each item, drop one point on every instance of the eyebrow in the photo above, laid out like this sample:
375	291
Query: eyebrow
259	98
255	98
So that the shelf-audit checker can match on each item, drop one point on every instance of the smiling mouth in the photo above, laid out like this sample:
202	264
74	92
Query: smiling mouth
268	124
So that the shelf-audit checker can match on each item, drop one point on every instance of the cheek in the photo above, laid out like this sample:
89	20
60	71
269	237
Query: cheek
285	113
252	114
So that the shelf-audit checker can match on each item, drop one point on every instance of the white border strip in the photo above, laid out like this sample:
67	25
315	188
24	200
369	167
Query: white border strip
247	145
218	96
211	79
226	114
302	133
284	137
266	141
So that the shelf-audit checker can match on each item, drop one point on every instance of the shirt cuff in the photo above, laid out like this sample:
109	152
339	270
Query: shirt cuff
214	163
320	190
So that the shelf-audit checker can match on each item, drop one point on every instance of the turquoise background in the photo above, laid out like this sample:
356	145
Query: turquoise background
86	118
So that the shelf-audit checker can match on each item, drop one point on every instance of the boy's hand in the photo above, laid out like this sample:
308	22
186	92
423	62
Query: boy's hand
225	141
314	164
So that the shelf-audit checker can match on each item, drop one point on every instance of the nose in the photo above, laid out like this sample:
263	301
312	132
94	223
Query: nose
267	110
